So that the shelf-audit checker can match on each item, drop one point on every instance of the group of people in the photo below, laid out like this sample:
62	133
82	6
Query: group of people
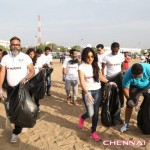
94	70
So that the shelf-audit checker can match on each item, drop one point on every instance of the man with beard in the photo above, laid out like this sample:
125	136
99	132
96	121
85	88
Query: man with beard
18	68
113	62
70	76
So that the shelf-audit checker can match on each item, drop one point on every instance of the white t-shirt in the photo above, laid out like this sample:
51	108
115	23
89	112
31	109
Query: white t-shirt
16	67
41	60
89	82
113	63
48	59
100	60
71	70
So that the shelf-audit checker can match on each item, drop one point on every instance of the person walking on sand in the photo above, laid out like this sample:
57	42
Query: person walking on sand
17	67
70	76
90	76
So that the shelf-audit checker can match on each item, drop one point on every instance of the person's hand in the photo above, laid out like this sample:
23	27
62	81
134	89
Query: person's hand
130	103
89	98
24	80
64	77
111	83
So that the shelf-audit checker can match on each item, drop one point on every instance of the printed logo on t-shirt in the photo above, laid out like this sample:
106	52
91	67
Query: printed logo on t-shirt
13	68
115	64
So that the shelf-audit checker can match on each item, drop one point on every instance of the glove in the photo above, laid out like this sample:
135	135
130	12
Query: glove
89	99
111	83
130	103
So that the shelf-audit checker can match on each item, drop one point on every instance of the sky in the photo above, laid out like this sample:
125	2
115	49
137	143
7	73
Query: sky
77	22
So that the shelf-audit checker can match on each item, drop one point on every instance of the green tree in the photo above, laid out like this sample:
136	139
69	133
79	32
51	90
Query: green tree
3	48
78	48
41	46
53	46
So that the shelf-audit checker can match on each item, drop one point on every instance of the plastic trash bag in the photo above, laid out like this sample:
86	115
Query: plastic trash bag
20	108
111	109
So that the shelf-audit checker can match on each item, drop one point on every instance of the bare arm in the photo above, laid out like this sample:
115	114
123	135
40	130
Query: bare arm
2	75
64	71
103	67
102	78
126	92
81	78
30	74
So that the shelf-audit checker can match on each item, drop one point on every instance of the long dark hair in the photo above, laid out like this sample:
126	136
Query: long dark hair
34	59
94	63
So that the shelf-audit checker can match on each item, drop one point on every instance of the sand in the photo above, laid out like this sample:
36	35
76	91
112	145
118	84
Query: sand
57	127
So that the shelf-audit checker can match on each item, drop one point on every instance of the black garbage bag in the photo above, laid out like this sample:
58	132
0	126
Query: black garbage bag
143	117
20	108
48	70
111	109
37	84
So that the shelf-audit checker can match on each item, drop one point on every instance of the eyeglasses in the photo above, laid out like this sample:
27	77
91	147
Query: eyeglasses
17	45
88	57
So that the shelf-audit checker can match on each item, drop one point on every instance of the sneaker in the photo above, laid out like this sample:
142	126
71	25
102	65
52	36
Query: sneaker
81	122
24	130
13	138
75	103
95	136
125	127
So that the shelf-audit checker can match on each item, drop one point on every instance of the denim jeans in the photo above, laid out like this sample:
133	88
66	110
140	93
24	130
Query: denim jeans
92	110
48	82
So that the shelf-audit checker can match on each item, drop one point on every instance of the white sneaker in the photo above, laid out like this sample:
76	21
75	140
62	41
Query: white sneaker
125	127
24	130
13	138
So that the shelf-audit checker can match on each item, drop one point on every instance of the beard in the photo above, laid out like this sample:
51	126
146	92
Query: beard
15	52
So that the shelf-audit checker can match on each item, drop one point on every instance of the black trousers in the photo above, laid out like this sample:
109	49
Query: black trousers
135	93
17	130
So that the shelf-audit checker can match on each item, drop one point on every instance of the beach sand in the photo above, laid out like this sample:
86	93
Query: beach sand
57	127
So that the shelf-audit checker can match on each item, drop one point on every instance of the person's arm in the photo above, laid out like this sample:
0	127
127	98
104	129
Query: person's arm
103	67
126	92
102	78
81	78
2	75
30	74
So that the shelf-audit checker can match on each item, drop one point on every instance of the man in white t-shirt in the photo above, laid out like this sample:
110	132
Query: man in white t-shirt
49	64
100	54
70	76
114	63
17	67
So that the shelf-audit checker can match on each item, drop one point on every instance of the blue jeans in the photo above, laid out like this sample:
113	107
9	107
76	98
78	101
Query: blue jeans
48	82
92	110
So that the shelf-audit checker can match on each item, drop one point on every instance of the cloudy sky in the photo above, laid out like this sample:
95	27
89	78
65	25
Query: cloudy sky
77	22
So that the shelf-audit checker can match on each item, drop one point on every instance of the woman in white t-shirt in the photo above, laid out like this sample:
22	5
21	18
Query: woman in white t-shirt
37	67
90	76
